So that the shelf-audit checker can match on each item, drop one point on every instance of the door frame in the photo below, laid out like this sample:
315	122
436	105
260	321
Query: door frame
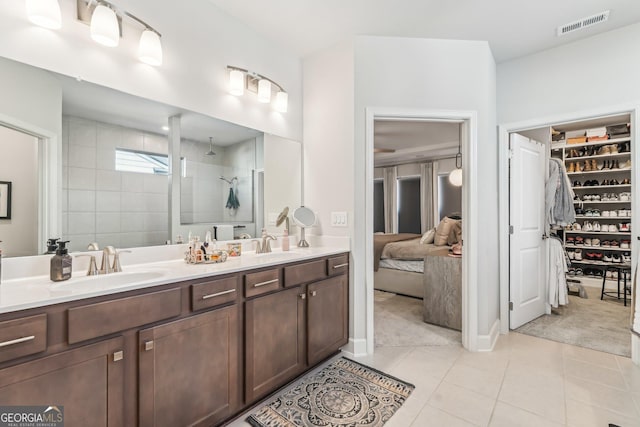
633	109
469	144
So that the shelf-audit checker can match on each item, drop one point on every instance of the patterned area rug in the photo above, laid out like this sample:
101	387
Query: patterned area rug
344	393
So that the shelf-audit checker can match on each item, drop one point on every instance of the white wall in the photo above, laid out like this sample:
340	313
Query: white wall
199	41
586	74
577	78
19	234
341	82
442	75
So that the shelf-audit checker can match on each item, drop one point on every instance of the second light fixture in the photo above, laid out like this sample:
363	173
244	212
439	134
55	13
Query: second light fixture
241	79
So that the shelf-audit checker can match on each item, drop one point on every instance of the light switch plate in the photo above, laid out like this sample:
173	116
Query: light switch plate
339	219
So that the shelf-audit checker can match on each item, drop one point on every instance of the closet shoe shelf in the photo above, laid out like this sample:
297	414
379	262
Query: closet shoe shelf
598	156
597	187
600	201
590	144
601	217
600	263
600	171
597	248
619	233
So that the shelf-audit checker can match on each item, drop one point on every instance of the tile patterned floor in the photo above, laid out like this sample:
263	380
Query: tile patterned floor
525	381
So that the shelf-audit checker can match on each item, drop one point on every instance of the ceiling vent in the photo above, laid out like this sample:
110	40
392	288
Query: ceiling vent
583	23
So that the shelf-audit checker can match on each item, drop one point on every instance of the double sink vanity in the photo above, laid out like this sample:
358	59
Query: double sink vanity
168	343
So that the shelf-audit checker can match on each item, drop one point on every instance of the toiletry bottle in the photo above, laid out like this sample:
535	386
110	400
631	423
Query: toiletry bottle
61	263
285	240
52	246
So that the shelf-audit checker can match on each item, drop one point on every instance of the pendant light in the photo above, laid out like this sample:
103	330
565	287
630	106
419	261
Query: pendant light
455	176
45	13
264	91
150	48
104	26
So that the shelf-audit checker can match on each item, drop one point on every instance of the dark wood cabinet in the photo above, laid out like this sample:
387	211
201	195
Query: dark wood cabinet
327	317
274	341
87	381
189	370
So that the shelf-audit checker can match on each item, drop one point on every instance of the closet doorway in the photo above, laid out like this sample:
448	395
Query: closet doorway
468	142
569	277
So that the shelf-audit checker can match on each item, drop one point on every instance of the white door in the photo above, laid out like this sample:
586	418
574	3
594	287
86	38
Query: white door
527	278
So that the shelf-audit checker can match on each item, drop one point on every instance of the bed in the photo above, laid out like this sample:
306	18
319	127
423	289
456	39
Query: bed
399	263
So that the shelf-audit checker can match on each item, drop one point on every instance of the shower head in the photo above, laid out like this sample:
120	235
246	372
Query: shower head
210	152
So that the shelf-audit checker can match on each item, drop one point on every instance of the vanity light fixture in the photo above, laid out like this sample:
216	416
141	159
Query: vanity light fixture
241	79
104	26
104	19
455	176
45	13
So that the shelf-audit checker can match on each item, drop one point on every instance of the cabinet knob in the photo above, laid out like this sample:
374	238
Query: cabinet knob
148	345
302	296
314	293
118	355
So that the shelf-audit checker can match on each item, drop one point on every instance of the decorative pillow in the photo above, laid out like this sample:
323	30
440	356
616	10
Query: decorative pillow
427	238
442	231
455	235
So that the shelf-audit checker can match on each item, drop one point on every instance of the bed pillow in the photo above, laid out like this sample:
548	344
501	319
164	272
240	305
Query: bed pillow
442	231
427	238
455	235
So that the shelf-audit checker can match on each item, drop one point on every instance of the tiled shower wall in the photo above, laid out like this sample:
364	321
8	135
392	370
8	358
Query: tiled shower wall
100	204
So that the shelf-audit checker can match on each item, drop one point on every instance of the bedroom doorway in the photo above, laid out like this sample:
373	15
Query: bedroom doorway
465	122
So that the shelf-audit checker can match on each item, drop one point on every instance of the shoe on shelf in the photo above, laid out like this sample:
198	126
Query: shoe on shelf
571	254
595	197
626	181
587	226
614	182
577	184
626	257
595	242
606	244
607	258
596	226
594	165
587	241
587	166
605	165
579	241
613	149
625	165
615	165
578	255
615	244
571	240
616	258
613	214
606	214
625	244
571	168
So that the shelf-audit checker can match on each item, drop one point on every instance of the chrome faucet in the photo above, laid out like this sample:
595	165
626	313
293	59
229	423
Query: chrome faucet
258	246
105	266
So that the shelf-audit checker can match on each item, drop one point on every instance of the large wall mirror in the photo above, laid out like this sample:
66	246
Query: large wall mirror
88	164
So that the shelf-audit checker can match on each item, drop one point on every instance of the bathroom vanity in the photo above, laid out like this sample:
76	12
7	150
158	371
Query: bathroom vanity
193	345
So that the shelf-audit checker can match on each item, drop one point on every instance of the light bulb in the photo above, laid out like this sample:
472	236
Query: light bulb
150	49
236	82
455	177
45	13
104	26
264	91
281	102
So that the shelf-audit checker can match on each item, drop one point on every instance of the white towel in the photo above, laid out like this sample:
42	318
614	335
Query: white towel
224	232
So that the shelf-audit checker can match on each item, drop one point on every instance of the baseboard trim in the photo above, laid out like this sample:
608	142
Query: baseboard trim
635	349
487	342
355	348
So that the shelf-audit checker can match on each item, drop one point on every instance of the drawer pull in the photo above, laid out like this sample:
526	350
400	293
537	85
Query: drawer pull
340	265
17	341
148	345
302	296
118	355
268	282
217	294
314	293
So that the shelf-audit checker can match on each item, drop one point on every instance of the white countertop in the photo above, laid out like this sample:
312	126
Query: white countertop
38	291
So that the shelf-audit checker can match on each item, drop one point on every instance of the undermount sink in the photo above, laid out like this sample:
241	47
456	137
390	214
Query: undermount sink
114	279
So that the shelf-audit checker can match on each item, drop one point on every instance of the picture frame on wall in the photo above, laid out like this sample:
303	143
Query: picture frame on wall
5	200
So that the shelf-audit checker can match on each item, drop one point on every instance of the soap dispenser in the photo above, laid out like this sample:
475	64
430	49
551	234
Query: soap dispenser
61	263
285	240
52	246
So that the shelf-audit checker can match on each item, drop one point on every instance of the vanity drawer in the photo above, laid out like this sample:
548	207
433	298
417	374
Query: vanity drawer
261	282
104	318
213	292
338	265
303	273
22	337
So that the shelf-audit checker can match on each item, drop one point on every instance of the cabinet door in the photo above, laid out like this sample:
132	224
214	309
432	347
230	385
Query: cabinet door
188	370
87	382
327	317
274	346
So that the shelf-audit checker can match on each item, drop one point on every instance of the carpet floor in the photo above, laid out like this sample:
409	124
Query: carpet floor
342	394
591	323
398	322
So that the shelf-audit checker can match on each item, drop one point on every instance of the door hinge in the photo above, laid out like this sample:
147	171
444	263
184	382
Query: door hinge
510	154
511	229
510	306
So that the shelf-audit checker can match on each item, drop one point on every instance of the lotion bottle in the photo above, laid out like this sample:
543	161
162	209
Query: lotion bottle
61	263
285	240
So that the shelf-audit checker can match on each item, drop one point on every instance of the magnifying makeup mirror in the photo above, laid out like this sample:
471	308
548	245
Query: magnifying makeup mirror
283	217
304	218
